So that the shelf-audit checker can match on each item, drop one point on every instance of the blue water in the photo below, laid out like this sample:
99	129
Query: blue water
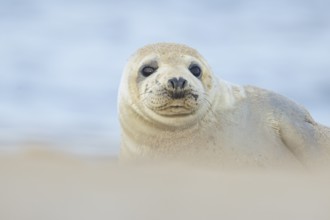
61	61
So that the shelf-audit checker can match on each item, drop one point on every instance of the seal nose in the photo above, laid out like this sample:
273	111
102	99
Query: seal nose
176	83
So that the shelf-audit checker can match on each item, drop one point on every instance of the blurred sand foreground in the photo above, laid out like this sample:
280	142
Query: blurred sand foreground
52	185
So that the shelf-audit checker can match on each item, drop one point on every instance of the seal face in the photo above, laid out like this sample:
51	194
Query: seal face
171	106
170	91
171	82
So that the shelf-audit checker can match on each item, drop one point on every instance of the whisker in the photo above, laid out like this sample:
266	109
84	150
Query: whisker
210	109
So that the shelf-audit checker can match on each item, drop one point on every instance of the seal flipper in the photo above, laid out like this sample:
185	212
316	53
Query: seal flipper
301	134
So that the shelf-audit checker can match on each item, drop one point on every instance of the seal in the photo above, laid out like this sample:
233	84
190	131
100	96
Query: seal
171	106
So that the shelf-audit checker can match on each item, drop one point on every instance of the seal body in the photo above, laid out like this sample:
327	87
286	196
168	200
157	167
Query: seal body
172	107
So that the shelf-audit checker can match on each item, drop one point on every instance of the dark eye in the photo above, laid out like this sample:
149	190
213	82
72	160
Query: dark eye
195	70
147	71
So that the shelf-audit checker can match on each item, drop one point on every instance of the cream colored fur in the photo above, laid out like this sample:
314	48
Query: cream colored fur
227	125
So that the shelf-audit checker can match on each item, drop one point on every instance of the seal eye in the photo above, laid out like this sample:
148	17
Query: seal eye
195	70
147	71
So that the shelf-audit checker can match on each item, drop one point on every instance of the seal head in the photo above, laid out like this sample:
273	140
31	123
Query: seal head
168	83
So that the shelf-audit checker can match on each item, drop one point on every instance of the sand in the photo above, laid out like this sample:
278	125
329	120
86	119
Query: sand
54	185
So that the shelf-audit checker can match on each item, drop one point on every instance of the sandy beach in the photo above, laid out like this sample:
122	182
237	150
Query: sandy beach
38	184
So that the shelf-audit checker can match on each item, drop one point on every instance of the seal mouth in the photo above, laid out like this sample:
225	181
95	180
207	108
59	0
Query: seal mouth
175	107
174	111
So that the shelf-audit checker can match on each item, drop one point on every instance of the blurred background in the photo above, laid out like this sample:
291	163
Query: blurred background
61	61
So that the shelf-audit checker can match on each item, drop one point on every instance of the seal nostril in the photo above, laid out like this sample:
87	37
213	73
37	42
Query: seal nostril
182	83
173	82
